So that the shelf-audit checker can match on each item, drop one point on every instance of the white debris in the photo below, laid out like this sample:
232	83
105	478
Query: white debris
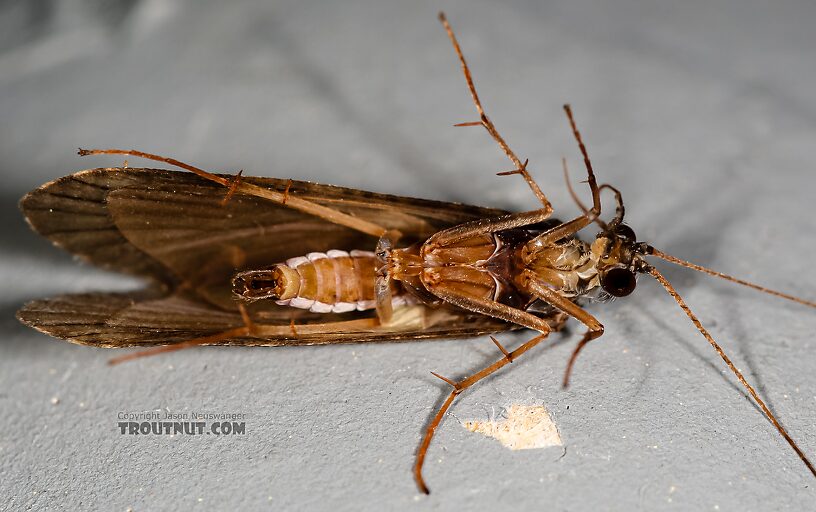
525	427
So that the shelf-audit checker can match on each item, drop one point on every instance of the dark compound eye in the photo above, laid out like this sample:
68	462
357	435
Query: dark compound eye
625	232
618	281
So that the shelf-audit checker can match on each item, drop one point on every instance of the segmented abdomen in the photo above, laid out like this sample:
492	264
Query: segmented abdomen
330	282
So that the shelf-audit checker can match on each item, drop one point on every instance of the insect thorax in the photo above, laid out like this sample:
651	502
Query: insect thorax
569	267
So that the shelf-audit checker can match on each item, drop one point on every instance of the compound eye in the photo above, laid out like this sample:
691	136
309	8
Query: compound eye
625	232
618	281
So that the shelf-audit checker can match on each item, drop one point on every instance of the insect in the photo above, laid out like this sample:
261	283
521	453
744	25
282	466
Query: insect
236	260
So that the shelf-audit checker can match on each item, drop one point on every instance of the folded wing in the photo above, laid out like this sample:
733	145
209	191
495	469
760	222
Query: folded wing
172	228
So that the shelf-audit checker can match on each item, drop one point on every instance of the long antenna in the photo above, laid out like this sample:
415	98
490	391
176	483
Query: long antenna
680	302
687	264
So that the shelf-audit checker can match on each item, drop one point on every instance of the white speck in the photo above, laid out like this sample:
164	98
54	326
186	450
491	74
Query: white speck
525	427
200	500
170	367
54	400
82	404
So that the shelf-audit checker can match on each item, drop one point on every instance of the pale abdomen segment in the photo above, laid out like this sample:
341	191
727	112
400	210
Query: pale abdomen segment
330	282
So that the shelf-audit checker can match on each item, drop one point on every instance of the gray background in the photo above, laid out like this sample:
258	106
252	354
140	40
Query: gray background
702	113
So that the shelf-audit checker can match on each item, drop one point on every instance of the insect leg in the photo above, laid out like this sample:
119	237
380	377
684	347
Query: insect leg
484	306
458	388
382	283
595	211
240	186
247	329
571	227
485	226
521	168
620	210
448	293
595	328
214	339
251	329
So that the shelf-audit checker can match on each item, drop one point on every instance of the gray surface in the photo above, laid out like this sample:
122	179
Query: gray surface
703	113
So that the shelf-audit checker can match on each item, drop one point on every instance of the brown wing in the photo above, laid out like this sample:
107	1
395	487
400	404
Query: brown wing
170	226
113	320
73	211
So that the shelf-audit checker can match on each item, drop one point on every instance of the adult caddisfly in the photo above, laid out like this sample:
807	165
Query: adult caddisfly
280	262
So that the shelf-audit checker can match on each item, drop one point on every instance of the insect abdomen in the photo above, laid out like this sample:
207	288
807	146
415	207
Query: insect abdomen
330	282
